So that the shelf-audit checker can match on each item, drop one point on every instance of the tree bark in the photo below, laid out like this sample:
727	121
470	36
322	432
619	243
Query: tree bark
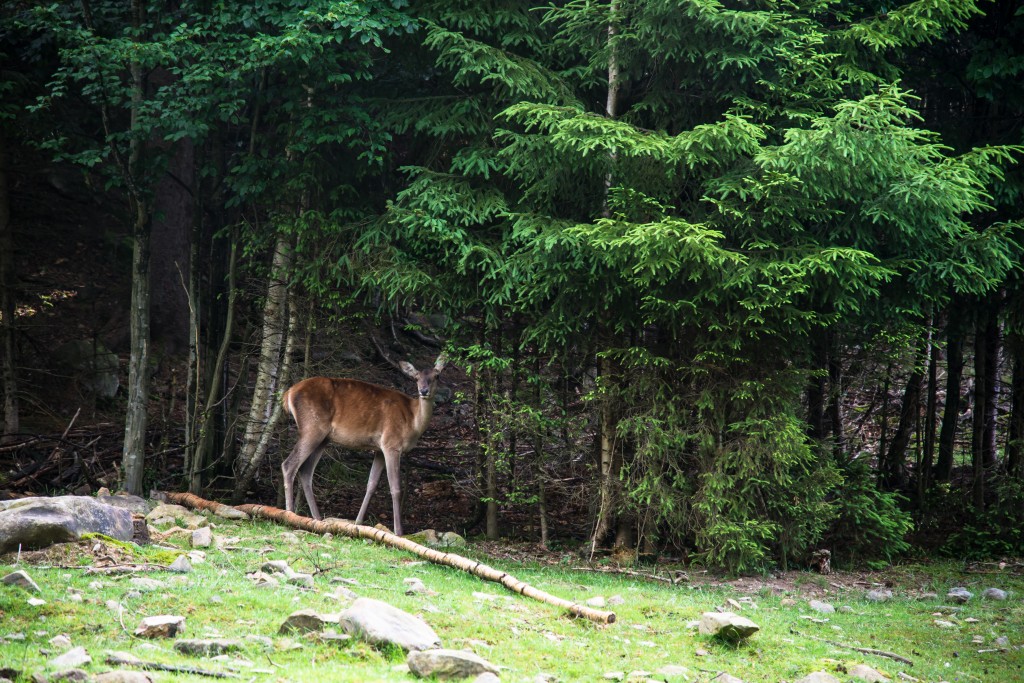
1015	440
892	466
992	349
951	410
8	364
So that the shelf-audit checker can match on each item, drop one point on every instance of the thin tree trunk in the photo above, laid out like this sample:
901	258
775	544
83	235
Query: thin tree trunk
8	364
951	410
892	468
133	458
816	389
1015	440
992	348
835	397
931	412
980	409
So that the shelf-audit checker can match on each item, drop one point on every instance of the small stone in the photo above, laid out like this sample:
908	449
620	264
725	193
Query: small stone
959	595
928	596
120	676
196	556
70	675
306	620
994	594
262	579
487	677
113	605
1002	641
342	593
277	567
72	659
879	595
597	601
821	606
724	677
163	626
36	602
289	537
818	677
615	676
448	664
450	539
202	537
180	565
727	625
146	584
616	600
415	586
263	641
846	609
942	623
21	579
787	602
864	672
301	580
675	671
62	641
207	647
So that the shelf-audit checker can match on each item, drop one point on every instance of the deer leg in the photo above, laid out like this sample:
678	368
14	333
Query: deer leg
302	451
306	479
394	461
371	485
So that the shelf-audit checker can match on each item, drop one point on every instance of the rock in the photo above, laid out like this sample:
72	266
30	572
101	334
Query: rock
878	595
616	600
301	580
1002	641
414	586
180	565
95	367
163	626
70	675
122	677
846	609
201	647
942	623
864	672
427	537
675	671
959	595
994	594
202	537
34	523
289	537
818	677
166	513
787	602
597	601
928	595
36	602
21	579
379	623
306	620
724	677
342	593
727	625
146	584
71	659
487	677
448	664
62	641
450	539
122	499
821	606
277	567
614	676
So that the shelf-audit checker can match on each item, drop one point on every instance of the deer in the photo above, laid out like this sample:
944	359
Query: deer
357	415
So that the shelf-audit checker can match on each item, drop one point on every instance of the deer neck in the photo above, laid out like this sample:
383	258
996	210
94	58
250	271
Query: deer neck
424	411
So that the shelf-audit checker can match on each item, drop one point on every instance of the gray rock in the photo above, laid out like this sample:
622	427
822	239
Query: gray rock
202	537
994	594
70	675
36	523
163	626
207	647
1002	641
726	625
863	672
120	676
72	659
675	671
277	567
61	641
301	580
166	513
450	539
21	579
146	584
306	620
379	623
448	664
724	677
928	596
94	365
818	677
959	595
616	600
596	601
121	499
487	677
821	606
180	565
878	595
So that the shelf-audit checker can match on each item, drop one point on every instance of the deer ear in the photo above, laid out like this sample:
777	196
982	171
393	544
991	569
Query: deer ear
408	369
441	361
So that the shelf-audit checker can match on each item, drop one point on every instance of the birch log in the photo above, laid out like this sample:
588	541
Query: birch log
341	527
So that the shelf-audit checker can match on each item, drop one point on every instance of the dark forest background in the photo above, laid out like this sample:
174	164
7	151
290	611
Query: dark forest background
731	281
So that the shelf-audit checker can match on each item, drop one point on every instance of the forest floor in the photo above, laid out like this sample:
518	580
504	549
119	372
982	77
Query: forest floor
95	594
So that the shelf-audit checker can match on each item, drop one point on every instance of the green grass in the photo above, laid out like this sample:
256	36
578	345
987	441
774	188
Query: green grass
524	637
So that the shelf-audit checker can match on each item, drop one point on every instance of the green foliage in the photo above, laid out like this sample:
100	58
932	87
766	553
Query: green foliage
996	532
870	526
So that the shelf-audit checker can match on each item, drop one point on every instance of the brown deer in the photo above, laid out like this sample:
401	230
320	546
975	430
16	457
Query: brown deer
357	415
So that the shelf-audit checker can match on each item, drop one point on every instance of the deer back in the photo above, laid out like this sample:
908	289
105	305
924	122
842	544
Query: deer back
351	413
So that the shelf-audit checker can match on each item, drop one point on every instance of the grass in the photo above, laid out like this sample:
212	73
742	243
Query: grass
525	638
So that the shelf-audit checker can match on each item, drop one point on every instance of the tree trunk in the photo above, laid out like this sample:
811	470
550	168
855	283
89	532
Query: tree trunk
951	411
892	466
8	358
133	457
931	411
835	397
1015	440
269	370
992	348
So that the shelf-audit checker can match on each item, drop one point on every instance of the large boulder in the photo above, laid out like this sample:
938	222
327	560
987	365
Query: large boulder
727	625
448	664
378	623
34	523
95	366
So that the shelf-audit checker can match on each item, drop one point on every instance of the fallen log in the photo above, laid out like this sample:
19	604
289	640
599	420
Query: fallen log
341	527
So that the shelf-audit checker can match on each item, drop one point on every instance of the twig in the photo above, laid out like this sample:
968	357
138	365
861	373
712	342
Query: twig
629	572
116	660
864	650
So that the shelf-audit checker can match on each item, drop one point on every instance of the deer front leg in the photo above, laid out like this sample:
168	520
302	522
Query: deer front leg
306	479
371	485
394	461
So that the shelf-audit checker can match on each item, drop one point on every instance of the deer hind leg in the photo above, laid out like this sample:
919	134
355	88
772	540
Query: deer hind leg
376	469
306	479
303	452
394	463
